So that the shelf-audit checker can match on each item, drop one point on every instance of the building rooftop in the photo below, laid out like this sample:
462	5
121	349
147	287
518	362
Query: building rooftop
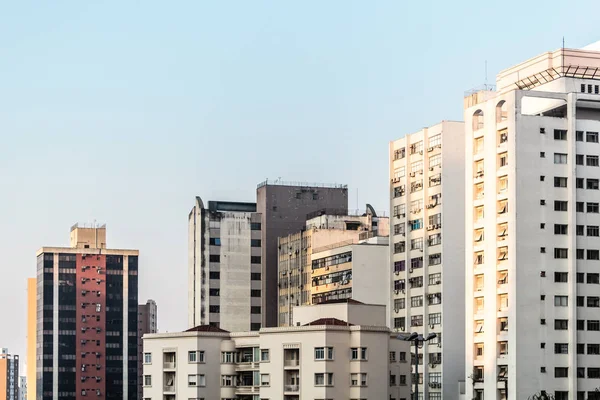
328	321
231	206
206	328
279	182
347	301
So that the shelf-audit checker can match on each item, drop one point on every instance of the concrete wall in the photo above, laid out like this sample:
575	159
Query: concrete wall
356	314
284	209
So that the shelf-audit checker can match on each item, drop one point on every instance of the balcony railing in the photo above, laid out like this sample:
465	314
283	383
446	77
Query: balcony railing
169	389
291	363
169	365
291	388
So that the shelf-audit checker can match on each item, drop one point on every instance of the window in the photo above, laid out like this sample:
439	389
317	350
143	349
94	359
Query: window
579	206
579	254
264	355
503	160
560	134
579	136
435	279
215	241
593	325
401	153
214	275
434	298
416	262
415	224
591	161
196	380
416	147
214	258
400	322
416	301
561	324
265	379
358	353
399	247
399	304
435	319
213	292
561	301
580	300
255	226
592	208
392	356
400	172
416	244
560	205
560	181
593	278
358	379
227	357
579	183
580	324
255	260
593	255
435	259
416	206
593	373
324	379
593	301
255	276
593	230
254	242
400	210
196	356
322	352
147	380
592	184
400	229
435	161
147	358
255	293
593	348
214	309
561	277
561	372
591	137
560	158
416	167
227	380
560	252
435	140
560	229
579	159
542	154
416	320
399	191
579	230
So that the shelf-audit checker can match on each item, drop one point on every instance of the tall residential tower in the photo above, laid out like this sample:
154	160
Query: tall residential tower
427	250
87	319
9	375
532	230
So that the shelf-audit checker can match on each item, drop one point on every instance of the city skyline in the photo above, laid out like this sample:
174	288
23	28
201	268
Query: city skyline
83	111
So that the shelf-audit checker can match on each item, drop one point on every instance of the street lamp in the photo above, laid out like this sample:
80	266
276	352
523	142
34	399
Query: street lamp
418	340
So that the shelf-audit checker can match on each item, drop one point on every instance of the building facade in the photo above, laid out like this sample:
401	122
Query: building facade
427	251
147	323
323	358
22	388
224	259
9	375
295	251
86	319
532	246
283	207
31	337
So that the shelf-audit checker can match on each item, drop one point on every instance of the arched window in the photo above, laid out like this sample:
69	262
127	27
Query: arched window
501	112
477	120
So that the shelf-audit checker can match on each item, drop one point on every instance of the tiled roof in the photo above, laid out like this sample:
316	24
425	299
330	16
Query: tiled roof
328	321
206	328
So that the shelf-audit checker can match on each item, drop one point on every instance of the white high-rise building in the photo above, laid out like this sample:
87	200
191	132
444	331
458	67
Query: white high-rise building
532	230
427	251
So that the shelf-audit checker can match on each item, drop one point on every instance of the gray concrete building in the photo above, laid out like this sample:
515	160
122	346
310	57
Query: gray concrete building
283	208
224	259
147	323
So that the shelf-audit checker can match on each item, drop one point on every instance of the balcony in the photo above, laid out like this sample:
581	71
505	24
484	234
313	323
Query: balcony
291	388
169	389
169	365
291	363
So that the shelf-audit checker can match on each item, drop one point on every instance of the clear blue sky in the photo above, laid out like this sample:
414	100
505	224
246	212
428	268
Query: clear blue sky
123	111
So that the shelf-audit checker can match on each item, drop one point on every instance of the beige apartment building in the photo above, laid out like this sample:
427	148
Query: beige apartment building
323	358
325	230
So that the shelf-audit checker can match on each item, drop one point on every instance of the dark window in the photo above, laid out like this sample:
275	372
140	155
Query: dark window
579	136
593	255
561	372
560	229
593	230
255	293
561	324
560	253
560	134
579	206
592	184
255	260
561	348
580	348
580	276
591	161
560	181
593	301
214	258
593	372
580	324
214	309
579	159
560	205
255	242
215	241
579	183
255	326
593	348
542	178
214	275
255	226
561	277
255	276
593	325
591	137
542	154
579	254
255	310
593	278
213	292
580	301
592	208
579	230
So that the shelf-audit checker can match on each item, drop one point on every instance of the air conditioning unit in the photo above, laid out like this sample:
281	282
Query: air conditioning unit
433	365
397	272
421	171
412	174
430	149
410	270
395	180
432	326
402	328
396	310
438	282
421	152
396	291
431	168
430	228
